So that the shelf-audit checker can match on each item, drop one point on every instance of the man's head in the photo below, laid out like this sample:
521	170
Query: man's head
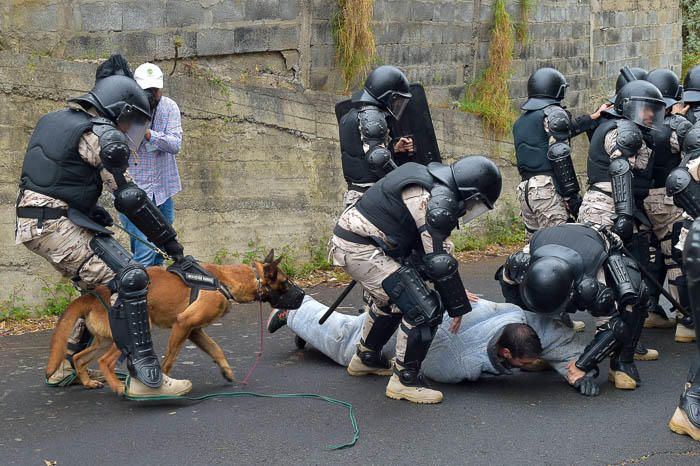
546	86
388	88
519	345
150	78
642	103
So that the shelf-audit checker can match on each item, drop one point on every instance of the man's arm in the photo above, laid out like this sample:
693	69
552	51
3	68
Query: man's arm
586	123
558	125
170	140
560	344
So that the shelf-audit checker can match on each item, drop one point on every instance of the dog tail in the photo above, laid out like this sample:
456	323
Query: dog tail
78	308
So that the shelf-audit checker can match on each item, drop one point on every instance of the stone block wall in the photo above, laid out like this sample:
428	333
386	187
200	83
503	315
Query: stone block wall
256	81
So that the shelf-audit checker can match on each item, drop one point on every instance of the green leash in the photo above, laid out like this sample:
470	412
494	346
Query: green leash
313	396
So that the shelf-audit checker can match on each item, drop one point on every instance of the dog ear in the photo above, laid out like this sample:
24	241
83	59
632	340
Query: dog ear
270	257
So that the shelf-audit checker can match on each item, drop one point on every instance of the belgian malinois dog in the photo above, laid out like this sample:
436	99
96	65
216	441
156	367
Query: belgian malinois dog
169	307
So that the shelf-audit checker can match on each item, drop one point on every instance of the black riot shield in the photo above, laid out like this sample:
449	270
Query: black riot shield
416	123
343	107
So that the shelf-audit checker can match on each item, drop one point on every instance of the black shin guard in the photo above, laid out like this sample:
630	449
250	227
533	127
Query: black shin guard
383	327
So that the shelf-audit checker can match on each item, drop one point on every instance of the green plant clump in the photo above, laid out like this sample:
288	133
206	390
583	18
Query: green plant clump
691	33
504	229
488	96
355	49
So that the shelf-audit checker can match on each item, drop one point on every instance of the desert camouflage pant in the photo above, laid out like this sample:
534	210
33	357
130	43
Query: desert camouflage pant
663	214
597	208
541	206
370	266
351	197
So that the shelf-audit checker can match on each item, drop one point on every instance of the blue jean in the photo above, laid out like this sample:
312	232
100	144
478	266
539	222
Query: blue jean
142	253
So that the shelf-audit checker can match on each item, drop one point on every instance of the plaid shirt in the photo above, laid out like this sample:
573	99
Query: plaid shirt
154	169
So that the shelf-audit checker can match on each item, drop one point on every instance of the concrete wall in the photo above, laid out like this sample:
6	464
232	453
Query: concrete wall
256	83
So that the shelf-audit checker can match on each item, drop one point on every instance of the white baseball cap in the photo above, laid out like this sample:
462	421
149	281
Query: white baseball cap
148	76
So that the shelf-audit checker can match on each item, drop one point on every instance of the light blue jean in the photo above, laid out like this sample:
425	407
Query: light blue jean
142	253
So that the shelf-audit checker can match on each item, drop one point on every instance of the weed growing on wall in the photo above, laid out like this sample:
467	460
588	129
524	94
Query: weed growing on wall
488	96
691	33
354	40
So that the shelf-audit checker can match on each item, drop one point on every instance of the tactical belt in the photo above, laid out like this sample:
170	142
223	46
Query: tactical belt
41	213
599	190
358	188
347	235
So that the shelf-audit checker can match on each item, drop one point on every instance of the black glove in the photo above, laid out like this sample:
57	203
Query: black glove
174	250
516	266
100	215
573	204
624	227
587	386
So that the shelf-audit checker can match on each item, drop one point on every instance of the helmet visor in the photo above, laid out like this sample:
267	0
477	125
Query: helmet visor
135	133
648	113
396	103
474	207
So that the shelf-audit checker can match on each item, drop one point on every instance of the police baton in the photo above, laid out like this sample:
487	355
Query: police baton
337	302
657	285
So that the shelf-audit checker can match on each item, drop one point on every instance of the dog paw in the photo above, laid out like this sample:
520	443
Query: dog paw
93	384
120	390
228	374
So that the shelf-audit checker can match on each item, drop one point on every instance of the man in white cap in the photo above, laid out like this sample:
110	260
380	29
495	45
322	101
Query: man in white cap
154	169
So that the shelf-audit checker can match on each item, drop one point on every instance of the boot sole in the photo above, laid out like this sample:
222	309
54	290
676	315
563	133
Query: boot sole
380	372
645	357
621	380
662	326
680	424
401	396
684	339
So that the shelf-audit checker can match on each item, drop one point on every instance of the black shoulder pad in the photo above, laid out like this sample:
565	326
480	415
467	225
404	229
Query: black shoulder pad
443	210
373	126
681	126
629	138
558	122
114	150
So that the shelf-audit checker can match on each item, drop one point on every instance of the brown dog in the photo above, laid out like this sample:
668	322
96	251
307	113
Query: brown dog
168	307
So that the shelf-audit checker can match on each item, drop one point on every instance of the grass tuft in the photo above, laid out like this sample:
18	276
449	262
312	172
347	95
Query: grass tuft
354	40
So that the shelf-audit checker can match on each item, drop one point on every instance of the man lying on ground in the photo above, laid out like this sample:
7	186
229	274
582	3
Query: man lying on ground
493	338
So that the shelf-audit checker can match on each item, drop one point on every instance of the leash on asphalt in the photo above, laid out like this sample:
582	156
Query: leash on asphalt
258	356
350	408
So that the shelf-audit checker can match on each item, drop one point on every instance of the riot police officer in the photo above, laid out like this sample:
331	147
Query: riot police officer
663	214
391	241
549	191
574	267
686	418
691	93
366	152
71	154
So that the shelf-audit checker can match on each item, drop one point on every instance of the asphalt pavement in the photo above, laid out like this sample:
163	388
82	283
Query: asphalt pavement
526	418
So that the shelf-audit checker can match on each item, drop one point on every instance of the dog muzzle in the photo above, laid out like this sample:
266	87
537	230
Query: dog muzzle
290	299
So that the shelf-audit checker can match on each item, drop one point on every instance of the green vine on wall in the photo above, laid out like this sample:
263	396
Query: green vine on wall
355	49
691	33
488	96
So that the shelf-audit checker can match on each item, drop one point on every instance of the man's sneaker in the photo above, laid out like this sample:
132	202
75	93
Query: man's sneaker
684	334
579	326
277	320
369	363
418	393
65	375
299	342
655	320
642	353
135	390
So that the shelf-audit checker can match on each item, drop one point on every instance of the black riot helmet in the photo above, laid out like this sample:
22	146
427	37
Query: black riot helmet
691	85
477	180
638	73
642	103
548	285
668	83
117	98
546	86
691	143
388	88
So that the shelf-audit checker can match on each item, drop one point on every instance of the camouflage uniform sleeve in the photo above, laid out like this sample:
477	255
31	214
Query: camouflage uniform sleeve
611	144
89	150
675	145
694	169
415	198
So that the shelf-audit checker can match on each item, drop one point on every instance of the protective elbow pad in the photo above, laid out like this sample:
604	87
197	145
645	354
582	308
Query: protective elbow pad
373	126
443	270
681	126
621	179
685	191
133	202
559	156
380	161
629	138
